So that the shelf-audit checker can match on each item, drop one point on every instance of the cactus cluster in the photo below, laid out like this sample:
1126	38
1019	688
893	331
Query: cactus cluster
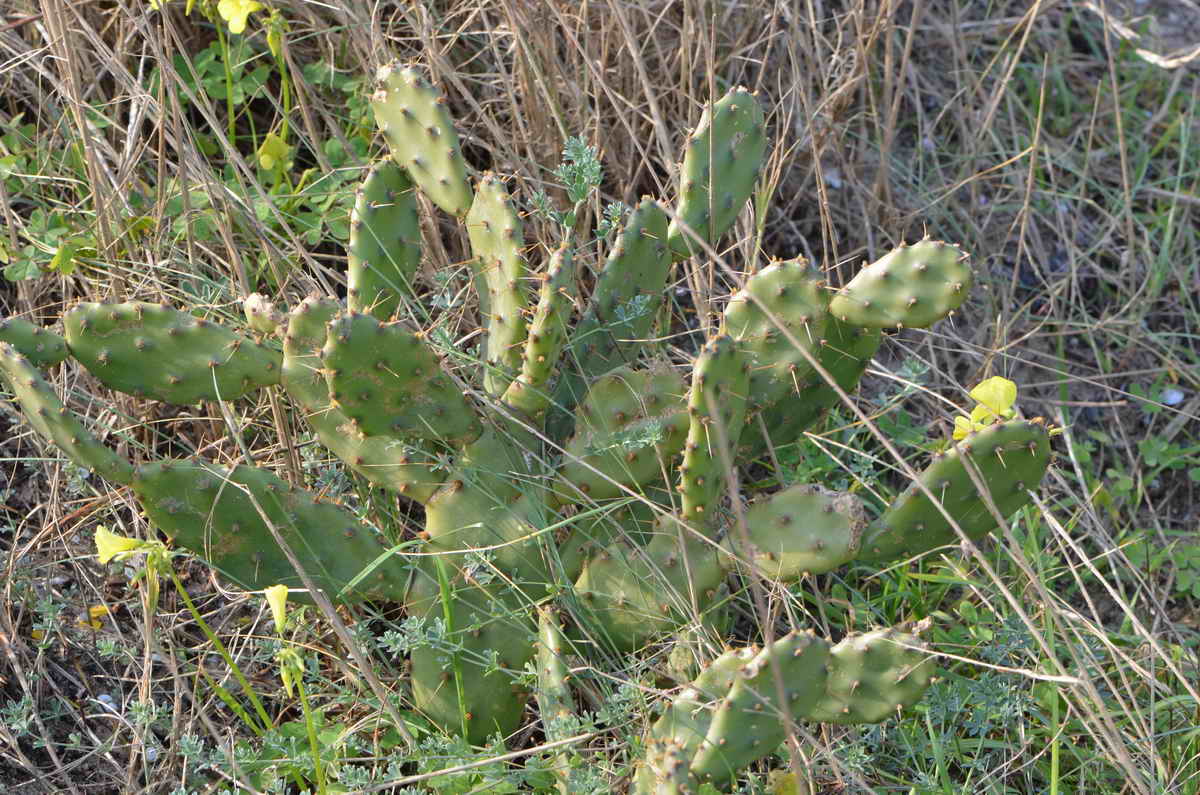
567	461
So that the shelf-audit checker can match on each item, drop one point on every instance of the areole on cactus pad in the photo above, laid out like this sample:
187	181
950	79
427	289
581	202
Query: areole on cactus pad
570	461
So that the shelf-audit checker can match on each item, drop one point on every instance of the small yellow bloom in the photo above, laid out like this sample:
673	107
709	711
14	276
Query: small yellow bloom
996	397
272	151
277	599
997	394
236	12
109	545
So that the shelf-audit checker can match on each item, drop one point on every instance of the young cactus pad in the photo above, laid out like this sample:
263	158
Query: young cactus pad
385	241
720	167
40	346
419	131
54	422
911	287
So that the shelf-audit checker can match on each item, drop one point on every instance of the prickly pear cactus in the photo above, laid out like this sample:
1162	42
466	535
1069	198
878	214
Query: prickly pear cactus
566	458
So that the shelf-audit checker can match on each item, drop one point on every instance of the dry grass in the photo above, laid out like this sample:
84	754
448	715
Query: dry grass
1030	133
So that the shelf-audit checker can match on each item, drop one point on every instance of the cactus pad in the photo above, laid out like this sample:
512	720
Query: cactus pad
497	240
547	335
490	633
717	412
845	353
911	287
388	382
635	592
784	299
413	118
629	292
725	154
1011	458
49	417
385	241
157	352
211	511
40	346
382	460
872	676
801	530
627	429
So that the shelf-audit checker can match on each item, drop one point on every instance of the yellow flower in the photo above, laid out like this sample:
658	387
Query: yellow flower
277	599
272	152
109	545
996	397
236	12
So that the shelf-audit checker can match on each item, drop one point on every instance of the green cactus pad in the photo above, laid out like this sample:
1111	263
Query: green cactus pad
157	352
547	335
872	677
749	721
627	429
1011	457
789	296
385	241
555	704
845	352
210	511
720	383
633	593
911	287
40	346
553	693
604	522
413	118
497	240
486	505
49	417
687	719
401	468
628	295
732	714
388	382
801	530
725	153
484	624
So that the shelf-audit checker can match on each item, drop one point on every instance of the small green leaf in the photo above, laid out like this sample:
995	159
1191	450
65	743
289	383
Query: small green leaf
23	268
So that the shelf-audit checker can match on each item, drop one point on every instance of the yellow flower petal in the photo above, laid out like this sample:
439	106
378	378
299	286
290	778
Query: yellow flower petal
981	415
109	545
998	394
962	426
236	12
277	599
